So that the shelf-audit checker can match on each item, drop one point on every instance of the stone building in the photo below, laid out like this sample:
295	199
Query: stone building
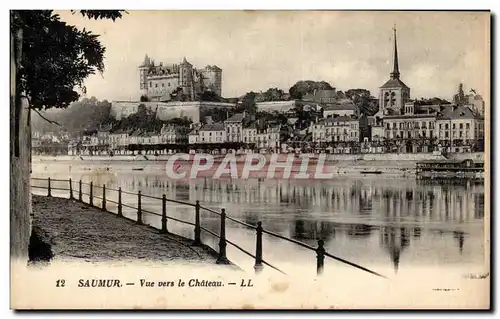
159	82
336	129
212	133
234	127
394	94
321	96
266	138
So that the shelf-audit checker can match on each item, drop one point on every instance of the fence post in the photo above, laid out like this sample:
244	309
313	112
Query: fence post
258	249
320	257
70	189
80	190
197	226
104	197
139	209
120	214
164	214
91	198
222	259
49	193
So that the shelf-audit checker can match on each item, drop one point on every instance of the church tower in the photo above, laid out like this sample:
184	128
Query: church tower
394	93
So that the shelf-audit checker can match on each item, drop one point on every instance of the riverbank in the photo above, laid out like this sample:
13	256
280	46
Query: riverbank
343	165
67	230
329	157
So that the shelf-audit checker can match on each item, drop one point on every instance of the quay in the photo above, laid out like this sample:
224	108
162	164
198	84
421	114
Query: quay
90	229
65	229
450	169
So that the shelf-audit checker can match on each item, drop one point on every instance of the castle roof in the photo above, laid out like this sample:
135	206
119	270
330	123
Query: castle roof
212	67
184	61
146	62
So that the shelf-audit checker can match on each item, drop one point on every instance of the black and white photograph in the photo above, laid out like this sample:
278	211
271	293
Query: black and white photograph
168	159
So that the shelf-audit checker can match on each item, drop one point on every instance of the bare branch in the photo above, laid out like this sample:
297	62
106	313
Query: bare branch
46	119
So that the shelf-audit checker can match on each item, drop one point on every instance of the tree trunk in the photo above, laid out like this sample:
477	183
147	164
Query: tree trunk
20	159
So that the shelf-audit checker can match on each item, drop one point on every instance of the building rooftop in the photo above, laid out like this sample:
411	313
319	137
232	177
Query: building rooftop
340	106
409	116
319	94
394	83
343	118
236	118
213	127
457	112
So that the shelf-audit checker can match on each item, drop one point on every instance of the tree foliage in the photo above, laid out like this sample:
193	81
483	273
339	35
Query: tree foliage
82	115
273	94
301	88
56	57
210	96
101	14
363	100
248	103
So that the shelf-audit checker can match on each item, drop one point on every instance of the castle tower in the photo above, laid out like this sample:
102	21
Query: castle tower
394	93
212	78
186	77
143	75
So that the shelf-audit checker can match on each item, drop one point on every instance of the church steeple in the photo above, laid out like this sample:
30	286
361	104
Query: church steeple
395	67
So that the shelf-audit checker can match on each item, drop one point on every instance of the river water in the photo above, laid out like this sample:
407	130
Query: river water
385	224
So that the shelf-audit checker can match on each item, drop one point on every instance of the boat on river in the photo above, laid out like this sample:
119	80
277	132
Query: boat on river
450	169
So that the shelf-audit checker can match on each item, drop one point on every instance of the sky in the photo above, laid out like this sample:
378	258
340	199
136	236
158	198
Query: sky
261	49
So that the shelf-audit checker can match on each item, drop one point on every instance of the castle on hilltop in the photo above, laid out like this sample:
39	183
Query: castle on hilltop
164	82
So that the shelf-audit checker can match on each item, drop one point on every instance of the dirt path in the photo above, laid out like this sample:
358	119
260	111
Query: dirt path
73	230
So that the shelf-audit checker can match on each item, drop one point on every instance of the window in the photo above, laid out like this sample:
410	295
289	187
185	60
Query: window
446	126
156	85
163	85
460	134
467	126
388	126
393	125
461	125
440	126
168	84
150	84
453	126
446	134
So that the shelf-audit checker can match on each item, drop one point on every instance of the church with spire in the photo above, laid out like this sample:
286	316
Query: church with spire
394	94
162	83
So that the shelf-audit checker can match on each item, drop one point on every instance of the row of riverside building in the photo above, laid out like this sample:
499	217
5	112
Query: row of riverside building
336	125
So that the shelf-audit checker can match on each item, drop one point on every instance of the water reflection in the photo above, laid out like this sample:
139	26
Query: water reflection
370	221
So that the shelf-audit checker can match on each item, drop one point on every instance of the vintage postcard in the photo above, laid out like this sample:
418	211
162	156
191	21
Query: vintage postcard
250	159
